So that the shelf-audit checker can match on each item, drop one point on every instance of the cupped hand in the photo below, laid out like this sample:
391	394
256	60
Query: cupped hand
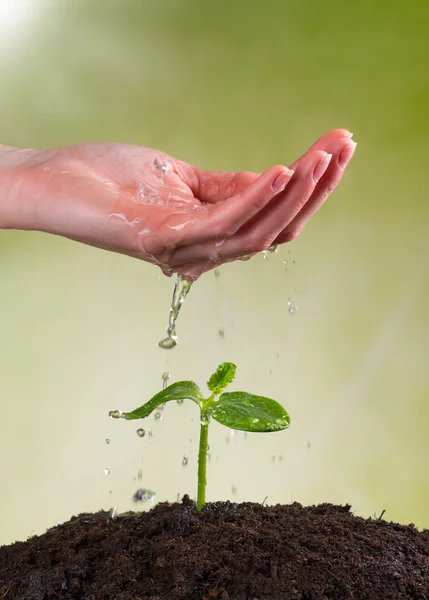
146	204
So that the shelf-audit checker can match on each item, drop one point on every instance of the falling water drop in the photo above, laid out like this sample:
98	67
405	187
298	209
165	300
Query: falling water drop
181	289
217	273
107	471
292	308
181	401
158	416
165	379
114	513
140	474
143	495
233	490
221	332
141	432
107	441
185	461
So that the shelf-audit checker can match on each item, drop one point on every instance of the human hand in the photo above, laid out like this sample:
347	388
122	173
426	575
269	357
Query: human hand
146	204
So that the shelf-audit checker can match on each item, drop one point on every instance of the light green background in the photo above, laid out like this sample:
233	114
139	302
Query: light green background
225	85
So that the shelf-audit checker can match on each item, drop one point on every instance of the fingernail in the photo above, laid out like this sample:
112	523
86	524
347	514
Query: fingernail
321	167
281	180
349	134
346	154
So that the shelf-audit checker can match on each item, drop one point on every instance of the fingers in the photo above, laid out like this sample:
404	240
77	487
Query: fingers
259	233
222	220
266	217
324	142
342	152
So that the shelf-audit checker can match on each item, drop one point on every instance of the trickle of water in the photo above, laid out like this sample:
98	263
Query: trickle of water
221	332
165	379
181	289
107	471
233	490
114	513
158	416
140	474
143	495
292	308
185	461
141	432
116	414
107	441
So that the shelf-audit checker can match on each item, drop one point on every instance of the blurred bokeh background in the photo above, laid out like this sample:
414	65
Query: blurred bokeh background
225	85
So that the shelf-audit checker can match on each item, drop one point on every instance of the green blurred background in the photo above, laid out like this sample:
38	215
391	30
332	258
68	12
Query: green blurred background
225	85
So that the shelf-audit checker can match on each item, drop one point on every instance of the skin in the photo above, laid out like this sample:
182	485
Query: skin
146	204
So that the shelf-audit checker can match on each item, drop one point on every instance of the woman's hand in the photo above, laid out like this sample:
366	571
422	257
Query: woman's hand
143	203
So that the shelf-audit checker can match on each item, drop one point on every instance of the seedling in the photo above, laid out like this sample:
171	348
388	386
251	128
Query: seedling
236	410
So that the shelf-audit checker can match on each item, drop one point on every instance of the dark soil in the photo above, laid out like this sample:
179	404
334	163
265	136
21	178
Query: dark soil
225	552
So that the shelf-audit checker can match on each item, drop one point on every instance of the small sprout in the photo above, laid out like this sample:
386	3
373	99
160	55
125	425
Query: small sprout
236	410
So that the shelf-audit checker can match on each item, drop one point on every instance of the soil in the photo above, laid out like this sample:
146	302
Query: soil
224	552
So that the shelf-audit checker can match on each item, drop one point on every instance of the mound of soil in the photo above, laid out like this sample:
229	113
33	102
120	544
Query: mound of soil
225	552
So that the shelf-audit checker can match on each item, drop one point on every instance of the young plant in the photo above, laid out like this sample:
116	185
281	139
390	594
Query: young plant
236	410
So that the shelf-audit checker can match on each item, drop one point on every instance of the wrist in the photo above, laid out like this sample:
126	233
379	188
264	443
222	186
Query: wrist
16	196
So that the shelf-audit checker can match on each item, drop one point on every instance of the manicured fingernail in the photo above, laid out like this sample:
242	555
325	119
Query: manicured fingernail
321	167
281	180
346	154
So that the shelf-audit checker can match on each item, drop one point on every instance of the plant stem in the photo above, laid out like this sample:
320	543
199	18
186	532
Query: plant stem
202	460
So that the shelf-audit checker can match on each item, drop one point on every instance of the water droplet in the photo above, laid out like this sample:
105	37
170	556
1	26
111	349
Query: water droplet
217	273
308	445
180	401
114	513
158	277
140	474
265	254
107	441
141	432
107	471
222	332
227	439
233	490
158	416
165	378
273	248
292	308
143	495
116	414
150	433
209	456
169	342
205	420
185	461
280	458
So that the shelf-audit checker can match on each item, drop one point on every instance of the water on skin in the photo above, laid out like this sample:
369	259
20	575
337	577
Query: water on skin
181	290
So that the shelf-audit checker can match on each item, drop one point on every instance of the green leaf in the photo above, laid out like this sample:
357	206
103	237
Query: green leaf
182	390
240	410
223	376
